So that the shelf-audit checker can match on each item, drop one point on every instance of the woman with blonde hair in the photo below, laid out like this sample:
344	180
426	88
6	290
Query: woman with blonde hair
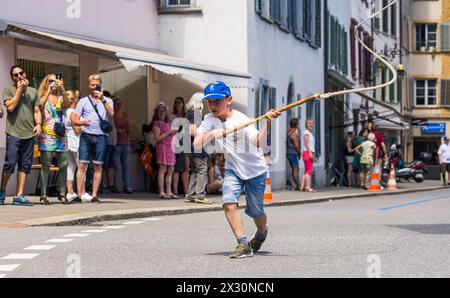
53	139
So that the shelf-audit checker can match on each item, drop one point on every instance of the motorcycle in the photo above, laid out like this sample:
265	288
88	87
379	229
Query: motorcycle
415	170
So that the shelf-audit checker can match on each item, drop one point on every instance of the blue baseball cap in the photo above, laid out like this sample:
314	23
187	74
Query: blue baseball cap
217	90
446	139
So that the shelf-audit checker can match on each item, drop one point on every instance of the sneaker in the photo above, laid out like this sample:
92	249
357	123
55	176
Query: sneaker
203	201
2	197
95	200
86	197
242	251
128	190
255	243
187	199
77	200
71	196
21	201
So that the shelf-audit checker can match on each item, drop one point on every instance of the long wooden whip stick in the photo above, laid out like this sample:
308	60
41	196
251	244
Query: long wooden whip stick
283	109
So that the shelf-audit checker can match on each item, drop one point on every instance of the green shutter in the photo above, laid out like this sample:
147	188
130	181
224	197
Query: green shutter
383	81
394	19
391	88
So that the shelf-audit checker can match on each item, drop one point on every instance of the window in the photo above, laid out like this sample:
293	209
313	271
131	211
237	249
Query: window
426	92
385	17
426	37
178	3
338	50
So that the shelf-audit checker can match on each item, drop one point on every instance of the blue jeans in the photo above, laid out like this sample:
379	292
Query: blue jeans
123	155
254	190
110	158
92	144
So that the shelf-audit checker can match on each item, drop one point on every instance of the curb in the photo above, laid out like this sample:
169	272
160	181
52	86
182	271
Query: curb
92	218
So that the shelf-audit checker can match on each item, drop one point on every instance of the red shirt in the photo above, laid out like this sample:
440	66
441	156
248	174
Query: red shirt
380	140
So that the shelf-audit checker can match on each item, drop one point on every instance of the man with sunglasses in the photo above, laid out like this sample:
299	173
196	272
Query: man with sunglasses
23	123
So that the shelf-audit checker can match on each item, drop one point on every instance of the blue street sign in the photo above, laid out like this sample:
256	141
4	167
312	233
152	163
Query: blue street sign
435	128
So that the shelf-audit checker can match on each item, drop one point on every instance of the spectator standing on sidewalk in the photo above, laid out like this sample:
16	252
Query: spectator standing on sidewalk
123	148
23	123
444	160
294	151
362	137
198	158
92	114
308	155
367	159
53	139
349	157
165	156
110	165
182	161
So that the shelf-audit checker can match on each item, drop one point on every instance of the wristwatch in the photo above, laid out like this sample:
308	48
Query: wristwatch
104	100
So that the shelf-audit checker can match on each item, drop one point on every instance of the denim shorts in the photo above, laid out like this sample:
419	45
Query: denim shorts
254	189
92	145
294	160
18	151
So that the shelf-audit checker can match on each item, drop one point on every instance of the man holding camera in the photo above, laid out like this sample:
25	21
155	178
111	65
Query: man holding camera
23	123
92	114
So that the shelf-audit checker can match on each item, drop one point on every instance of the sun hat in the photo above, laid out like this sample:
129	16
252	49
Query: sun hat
161	105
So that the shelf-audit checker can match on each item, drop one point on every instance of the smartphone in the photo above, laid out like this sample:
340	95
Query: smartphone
98	88
59	76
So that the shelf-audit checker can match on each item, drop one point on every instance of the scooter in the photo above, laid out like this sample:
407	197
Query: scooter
415	170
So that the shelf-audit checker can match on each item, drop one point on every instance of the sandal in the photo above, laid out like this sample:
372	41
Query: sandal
311	190
63	200
44	201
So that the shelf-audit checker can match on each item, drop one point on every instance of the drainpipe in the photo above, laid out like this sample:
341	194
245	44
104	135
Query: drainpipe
325	74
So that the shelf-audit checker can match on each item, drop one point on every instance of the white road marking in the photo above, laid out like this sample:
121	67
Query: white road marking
40	247
76	235
8	268
2	275
59	240
152	219
20	257
133	223
113	227
95	231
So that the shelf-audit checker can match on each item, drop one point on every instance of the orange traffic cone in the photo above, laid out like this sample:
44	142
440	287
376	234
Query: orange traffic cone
392	183
375	184
268	191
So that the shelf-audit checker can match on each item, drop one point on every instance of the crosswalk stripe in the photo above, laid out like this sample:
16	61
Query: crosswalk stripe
20	256
2	275
8	268
59	240
76	235
95	231
152	219
40	247
114	227
133	222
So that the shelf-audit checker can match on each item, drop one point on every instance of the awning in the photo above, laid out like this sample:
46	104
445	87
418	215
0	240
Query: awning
131	58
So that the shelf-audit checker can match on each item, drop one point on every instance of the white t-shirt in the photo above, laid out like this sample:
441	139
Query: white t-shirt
444	152
312	141
241	156
73	139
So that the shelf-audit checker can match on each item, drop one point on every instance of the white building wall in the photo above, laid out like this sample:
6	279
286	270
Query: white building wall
132	22
279	58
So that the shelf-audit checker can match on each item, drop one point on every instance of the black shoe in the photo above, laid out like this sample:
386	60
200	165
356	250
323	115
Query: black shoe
77	200
64	200
44	201
255	243
95	200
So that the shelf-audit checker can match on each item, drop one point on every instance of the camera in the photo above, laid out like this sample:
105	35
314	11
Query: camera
98	88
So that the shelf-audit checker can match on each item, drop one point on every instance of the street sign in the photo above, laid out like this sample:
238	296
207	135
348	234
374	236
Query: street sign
434	128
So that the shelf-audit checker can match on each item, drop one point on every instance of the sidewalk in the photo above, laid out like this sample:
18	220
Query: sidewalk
141	205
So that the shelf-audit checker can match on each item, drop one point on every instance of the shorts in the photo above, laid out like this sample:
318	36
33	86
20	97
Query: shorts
110	160
180	163
294	160
445	167
309	163
254	189
95	145
18	151
349	159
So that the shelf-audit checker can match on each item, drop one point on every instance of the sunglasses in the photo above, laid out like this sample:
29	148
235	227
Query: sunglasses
16	75
51	81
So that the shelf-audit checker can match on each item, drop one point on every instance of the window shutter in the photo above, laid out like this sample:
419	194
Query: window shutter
345	52
412	93
391	88
394	19
445	92
292	16
352	49
383	81
318	27
258	6
275	11
445	37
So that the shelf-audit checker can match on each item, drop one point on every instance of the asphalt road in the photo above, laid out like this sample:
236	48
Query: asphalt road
392	236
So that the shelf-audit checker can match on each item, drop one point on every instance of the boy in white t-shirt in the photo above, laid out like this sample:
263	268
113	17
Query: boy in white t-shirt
444	159
244	166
